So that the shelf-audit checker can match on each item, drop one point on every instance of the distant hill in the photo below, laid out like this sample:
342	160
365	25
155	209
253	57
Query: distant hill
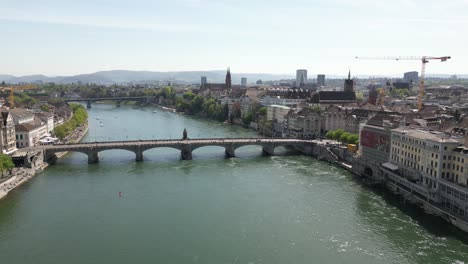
187	77
124	76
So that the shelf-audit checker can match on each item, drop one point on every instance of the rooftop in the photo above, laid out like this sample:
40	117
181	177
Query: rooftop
426	135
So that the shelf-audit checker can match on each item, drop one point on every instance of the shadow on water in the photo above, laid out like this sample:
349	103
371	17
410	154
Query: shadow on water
433	224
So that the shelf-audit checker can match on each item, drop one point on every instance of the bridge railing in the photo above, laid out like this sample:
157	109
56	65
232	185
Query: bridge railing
178	140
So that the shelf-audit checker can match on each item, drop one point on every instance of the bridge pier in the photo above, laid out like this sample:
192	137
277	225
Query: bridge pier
88	104
139	154
118	103
93	156
268	150
230	151
186	153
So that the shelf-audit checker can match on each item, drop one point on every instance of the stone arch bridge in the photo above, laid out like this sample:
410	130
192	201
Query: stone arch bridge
92	149
118	100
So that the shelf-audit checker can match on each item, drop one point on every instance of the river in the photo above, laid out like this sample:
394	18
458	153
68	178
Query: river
248	209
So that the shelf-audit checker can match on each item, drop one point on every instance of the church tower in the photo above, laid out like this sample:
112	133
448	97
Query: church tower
349	83
228	78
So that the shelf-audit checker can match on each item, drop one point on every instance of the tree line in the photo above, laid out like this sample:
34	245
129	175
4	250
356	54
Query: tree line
80	116
199	105
343	136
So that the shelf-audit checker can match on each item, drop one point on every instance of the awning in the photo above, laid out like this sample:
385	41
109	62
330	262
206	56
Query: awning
390	166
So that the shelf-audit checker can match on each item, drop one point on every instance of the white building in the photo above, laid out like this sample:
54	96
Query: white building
277	113
21	116
27	135
48	118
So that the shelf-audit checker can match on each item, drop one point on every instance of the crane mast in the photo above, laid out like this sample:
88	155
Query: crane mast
424	60
11	97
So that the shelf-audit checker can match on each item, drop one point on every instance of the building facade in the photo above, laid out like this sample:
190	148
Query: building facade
333	118
321	79
303	123
27	135
7	133
277	113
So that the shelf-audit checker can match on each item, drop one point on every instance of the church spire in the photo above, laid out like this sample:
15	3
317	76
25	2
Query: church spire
228	78
349	84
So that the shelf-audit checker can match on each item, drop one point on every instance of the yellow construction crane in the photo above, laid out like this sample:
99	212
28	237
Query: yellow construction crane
424	60
11	98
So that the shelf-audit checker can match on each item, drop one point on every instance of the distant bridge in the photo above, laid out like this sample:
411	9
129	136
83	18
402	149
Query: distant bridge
92	149
116	99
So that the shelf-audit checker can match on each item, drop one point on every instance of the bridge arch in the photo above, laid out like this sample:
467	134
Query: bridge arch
211	150
253	149
51	155
289	148
157	153
368	172
122	153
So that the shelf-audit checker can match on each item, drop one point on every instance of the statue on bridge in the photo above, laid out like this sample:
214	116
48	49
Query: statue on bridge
184	135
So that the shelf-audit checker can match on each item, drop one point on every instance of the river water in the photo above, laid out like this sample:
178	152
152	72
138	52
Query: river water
248	209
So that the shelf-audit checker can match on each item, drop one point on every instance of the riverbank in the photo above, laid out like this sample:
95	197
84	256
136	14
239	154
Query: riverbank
23	175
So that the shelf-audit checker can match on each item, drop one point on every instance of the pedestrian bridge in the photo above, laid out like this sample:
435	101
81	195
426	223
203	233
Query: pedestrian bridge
92	149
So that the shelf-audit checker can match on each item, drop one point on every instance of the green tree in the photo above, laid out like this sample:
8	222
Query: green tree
344	137
45	108
337	134
262	111
330	134
353	139
79	117
247	119
6	163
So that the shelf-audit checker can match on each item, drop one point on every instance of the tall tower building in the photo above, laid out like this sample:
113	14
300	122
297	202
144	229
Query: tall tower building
321	79
301	77
228	78
244	81
349	84
203	82
411	77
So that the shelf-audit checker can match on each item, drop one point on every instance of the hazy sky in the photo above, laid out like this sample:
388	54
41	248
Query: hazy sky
65	37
